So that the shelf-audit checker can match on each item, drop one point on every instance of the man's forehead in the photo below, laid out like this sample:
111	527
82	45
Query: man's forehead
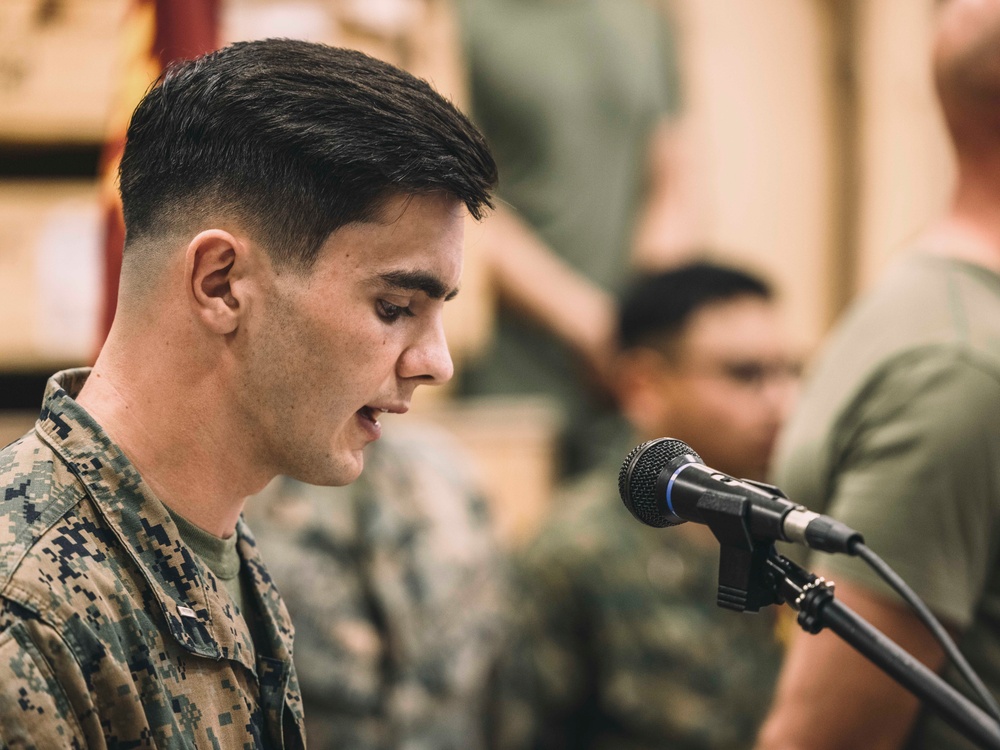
747	325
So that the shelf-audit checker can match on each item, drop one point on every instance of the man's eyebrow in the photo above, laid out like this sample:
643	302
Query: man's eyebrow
427	283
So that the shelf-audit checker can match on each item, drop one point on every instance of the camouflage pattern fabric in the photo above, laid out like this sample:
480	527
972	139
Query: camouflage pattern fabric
622	645
112	632
395	587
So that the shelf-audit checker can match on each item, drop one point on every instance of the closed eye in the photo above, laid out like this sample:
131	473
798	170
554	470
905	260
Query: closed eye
390	312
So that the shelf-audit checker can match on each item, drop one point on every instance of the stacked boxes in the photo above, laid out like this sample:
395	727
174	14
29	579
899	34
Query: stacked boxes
57	81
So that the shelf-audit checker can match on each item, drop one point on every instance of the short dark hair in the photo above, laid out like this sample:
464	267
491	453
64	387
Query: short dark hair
655	308
297	139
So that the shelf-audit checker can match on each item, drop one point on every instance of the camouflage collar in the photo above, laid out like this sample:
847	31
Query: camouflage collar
197	611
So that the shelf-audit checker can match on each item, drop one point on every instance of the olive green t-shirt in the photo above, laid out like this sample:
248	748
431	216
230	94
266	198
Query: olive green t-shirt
898	435
222	558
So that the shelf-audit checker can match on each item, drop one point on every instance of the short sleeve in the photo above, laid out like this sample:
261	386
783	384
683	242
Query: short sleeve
918	473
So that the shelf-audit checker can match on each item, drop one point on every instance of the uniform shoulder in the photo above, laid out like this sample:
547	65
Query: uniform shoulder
37	488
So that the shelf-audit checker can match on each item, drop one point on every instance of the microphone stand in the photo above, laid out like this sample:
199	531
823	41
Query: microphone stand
752	574
813	599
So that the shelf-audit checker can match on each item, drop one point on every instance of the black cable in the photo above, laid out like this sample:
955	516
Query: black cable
890	576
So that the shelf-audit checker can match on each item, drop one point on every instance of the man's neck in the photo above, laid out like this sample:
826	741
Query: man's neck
178	441
970	230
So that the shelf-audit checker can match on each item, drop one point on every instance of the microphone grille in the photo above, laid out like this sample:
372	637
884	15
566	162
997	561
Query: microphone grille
638	475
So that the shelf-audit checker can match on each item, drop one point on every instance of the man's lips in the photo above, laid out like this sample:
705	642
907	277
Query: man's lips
372	413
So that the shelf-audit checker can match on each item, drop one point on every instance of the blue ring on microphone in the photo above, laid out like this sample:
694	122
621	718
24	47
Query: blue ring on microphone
670	485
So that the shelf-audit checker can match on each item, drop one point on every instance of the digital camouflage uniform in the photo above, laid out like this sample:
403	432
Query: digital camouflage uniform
394	585
112	632
622	644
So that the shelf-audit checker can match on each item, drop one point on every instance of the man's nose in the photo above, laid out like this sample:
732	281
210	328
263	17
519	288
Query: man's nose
428	360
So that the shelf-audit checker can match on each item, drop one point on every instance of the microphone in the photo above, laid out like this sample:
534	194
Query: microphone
663	482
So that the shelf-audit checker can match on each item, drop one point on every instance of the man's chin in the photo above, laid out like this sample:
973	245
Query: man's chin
343	470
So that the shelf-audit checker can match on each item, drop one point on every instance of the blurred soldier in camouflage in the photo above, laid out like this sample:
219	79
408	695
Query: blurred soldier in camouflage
393	584
294	220
624	647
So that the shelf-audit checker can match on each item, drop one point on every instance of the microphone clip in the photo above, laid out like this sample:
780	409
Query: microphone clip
745	579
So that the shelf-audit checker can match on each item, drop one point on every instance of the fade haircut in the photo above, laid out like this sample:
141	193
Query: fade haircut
656	308
296	139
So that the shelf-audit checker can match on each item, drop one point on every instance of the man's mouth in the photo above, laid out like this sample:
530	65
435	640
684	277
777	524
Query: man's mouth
370	413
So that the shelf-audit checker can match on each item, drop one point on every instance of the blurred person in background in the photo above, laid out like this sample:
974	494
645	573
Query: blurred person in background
623	646
395	586
579	100
897	436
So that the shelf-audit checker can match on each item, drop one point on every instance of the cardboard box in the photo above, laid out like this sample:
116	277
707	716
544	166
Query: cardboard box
58	68
50	272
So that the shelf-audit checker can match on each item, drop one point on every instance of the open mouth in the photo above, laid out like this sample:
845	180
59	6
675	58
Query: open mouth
370	413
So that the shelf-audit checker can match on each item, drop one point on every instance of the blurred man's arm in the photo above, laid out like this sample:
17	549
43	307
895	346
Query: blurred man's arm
829	697
532	280
669	224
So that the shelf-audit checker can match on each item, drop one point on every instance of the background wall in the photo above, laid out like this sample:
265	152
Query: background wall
905	169
761	102
820	144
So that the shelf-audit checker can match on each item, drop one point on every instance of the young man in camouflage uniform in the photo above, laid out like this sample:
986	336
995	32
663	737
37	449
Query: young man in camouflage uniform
294	221
624	646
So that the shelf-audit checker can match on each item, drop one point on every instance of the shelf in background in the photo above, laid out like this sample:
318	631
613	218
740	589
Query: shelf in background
22	391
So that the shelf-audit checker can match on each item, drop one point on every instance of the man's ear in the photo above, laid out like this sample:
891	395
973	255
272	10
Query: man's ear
214	264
